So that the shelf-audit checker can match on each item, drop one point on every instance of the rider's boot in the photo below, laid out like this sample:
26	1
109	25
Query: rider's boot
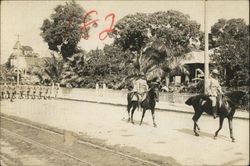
214	112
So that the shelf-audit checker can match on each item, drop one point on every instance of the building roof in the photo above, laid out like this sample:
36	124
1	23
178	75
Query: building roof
18	44
27	48
195	57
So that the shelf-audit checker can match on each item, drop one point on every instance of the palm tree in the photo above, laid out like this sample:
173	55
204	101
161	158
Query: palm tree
53	68
158	61
49	70
73	70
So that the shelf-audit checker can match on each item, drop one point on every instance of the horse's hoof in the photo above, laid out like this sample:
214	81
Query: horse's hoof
140	124
155	125
233	140
133	122
215	137
196	134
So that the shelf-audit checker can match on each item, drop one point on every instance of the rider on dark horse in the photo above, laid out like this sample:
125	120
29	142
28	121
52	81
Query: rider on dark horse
227	104
214	91
140	87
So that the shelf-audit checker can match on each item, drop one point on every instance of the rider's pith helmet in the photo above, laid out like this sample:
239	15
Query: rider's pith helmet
215	71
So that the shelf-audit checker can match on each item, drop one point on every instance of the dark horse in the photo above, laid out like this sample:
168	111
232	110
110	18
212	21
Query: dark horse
152	96
229	103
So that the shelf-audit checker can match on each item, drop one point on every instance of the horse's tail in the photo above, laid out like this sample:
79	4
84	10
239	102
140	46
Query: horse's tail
189	101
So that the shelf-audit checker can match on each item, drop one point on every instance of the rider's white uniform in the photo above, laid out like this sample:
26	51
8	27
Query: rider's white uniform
213	90
140	86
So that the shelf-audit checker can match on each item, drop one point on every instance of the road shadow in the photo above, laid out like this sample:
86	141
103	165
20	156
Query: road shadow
160	142
202	134
136	122
127	135
191	132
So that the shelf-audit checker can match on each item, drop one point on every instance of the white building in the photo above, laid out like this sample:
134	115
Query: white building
22	57
17	58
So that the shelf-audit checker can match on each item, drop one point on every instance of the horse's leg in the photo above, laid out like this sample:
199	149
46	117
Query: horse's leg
195	125
195	118
128	109
230	122
132	112
153	117
143	113
220	127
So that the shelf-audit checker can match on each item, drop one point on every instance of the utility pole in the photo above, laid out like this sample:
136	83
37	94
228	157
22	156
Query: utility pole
18	54
206	55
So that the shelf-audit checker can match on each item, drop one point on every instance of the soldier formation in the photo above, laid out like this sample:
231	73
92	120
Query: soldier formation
26	91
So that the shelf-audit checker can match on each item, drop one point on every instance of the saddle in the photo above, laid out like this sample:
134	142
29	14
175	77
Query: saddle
219	100
138	96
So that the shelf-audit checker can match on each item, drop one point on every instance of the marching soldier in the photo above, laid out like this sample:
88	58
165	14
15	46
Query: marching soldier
16	90
28	88
22	91
49	91
12	92
8	91
33	91
40	91
37	90
4	91
44	92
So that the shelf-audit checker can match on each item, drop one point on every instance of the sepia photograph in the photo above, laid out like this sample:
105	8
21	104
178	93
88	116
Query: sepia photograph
124	83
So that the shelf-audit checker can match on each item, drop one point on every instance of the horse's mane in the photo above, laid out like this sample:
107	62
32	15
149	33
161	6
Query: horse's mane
151	91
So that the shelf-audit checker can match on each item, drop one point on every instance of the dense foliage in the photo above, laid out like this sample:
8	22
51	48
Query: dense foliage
109	65
149	43
157	39
62	31
230	38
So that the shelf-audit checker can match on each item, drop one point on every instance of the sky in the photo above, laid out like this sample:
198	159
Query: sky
26	17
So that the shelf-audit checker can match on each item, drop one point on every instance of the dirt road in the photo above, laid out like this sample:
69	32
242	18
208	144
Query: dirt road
24	145
173	140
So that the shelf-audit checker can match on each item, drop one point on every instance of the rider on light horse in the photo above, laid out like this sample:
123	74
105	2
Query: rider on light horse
214	90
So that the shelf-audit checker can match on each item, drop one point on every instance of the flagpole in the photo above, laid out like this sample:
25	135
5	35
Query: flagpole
18	52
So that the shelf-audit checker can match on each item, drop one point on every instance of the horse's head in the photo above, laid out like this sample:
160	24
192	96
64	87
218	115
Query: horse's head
244	98
154	92
238	97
